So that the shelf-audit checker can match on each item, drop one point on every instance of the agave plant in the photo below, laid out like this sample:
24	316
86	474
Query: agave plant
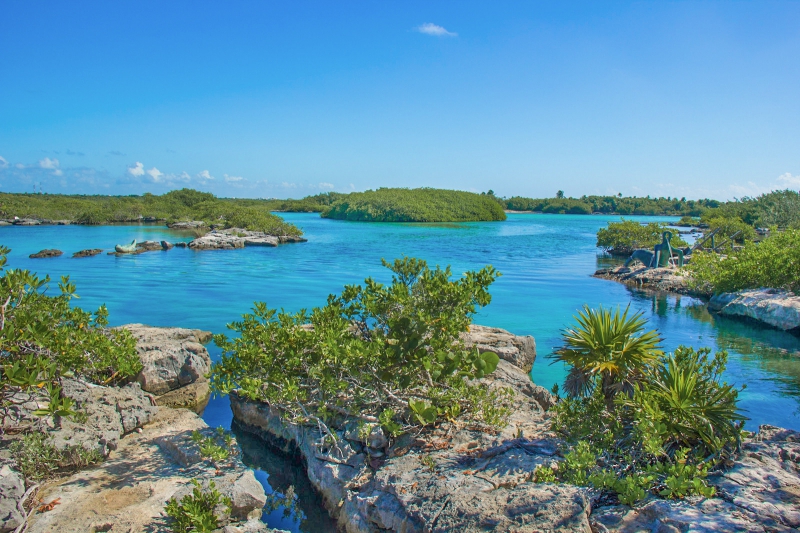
607	349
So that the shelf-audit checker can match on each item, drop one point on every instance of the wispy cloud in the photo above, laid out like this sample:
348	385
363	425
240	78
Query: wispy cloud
115	152
155	174
233	179
325	185
71	152
3	162
429	28
48	163
205	176
790	181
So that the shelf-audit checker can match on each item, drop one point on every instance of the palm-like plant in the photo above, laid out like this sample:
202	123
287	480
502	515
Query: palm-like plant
606	349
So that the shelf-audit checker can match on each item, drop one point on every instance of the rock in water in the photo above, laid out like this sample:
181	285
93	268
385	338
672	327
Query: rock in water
88	253
50	252
172	357
775	307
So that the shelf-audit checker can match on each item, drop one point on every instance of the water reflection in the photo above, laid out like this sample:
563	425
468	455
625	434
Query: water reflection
293	504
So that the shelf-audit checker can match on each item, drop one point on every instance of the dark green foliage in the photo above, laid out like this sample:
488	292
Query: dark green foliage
388	354
611	205
660	435
197	512
726	227
415	205
178	205
622	238
773	262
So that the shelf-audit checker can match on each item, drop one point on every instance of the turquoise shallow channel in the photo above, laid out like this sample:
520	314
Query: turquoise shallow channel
546	263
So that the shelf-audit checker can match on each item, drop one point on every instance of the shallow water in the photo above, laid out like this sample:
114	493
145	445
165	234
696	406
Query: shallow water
546	263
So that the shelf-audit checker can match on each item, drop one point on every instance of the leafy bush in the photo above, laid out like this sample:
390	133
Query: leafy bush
197	512
622	238
37	458
383	354
415	205
726	227
773	262
778	208
661	435
622	205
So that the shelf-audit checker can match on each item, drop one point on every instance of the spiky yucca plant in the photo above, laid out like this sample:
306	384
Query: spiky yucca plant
606	349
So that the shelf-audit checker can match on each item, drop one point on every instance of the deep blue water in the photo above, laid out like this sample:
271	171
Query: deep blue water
546	263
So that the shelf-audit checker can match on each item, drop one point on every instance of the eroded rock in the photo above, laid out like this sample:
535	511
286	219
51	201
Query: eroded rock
518	350
658	279
50	252
12	489
775	307
88	253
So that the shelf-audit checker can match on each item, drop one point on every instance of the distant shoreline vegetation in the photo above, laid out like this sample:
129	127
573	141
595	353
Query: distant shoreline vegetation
415	205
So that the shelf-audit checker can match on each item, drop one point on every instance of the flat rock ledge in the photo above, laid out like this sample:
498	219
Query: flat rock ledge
656	279
232	238
775	307
452	478
46	253
128	491
175	364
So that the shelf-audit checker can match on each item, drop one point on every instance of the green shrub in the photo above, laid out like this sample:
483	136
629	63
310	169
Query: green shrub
727	227
197	512
415	205
36	458
622	238
382	353
773	262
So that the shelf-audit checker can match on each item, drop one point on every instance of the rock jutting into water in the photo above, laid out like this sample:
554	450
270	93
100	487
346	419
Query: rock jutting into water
232	238
50	252
88	253
658	279
778	308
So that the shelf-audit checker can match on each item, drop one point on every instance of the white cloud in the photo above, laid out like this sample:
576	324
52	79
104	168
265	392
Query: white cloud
205	176
429	28
325	185
58	172
3	162
287	185
155	174
136	170
789	181
233	179
20	165
183	176
48	163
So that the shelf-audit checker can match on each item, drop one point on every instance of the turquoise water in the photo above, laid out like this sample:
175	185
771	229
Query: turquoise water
546	263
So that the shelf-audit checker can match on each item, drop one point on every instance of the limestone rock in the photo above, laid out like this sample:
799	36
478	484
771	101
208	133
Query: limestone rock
128	491
88	253
657	279
12	489
193	396
191	224
217	240
172	357
775	307
518	350
46	253
149	246
166	245
26	222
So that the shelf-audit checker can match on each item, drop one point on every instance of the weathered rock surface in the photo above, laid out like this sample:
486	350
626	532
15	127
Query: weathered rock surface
26	222
127	492
518	350
778	308
172	357
453	479
12	490
110	413
88	253
166	245
191	224
192	396
760	493
50	252
658	279
228	239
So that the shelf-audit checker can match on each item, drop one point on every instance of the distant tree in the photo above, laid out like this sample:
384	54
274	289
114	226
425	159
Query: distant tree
560	194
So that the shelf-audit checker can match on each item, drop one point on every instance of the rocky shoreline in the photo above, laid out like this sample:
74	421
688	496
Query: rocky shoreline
771	307
455	478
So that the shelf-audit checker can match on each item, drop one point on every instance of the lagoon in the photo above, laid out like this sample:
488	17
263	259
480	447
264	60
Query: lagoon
546	263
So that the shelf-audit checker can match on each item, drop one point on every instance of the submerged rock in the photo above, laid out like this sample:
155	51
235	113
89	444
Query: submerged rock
50	252
172	357
775	307
88	253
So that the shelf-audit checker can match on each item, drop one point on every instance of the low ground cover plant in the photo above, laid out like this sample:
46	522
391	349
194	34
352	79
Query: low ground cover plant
622	238
199	512
638	421
773	262
383	354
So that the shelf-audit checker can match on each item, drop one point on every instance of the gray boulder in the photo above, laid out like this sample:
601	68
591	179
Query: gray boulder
12	490
50	252
775	307
518	350
172	357
88	253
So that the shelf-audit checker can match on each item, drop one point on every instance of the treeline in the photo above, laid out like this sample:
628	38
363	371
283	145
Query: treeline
621	205
174	206
415	205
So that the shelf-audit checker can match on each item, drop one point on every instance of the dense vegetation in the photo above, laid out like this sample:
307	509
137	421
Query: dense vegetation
622	238
415	205
773	262
638	420
611	205
42	340
178	205
383	354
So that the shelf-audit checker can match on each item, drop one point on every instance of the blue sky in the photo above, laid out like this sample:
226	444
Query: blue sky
286	99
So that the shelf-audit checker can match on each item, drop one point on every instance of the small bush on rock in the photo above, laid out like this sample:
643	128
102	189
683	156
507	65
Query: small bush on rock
622	238
197	512
389	354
